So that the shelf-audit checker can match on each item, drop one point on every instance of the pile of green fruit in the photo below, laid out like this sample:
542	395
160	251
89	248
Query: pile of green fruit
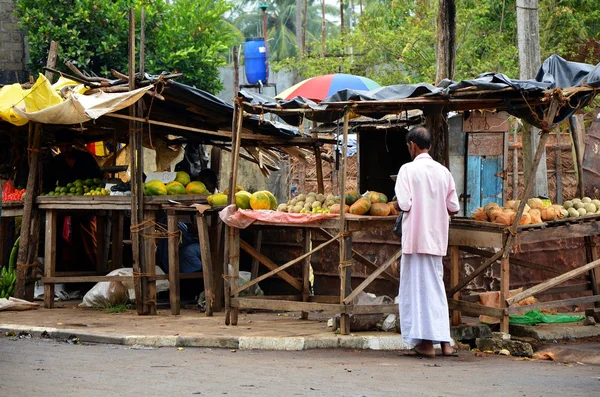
88	187
8	275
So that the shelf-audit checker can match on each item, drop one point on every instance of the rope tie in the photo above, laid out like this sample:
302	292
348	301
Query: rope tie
156	230
345	264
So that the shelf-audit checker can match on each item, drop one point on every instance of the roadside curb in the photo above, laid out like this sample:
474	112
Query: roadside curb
383	342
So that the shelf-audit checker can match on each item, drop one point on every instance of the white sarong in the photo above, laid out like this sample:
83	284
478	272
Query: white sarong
422	300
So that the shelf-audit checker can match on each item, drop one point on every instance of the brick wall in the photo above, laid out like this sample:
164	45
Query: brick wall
12	53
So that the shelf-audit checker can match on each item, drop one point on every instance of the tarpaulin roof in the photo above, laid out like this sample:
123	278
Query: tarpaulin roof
521	98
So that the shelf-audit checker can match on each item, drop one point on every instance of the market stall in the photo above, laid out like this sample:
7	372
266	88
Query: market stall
560	89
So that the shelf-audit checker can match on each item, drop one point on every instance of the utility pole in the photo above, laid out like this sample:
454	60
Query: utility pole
528	37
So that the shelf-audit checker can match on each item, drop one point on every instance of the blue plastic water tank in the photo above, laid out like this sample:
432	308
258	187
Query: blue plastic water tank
255	60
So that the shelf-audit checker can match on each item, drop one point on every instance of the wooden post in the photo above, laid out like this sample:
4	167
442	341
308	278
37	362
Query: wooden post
32	192
149	262
207	265
50	257
319	166
528	39
218	261
234	233
578	134
173	244
345	267
515	181
255	262
446	40
504	291
236	72
306	236
558	167
454	279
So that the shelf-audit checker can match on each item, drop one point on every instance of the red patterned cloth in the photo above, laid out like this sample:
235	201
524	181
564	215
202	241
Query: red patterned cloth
241	219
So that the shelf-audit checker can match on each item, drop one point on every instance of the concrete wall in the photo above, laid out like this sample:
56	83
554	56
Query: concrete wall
281	79
12	52
457	156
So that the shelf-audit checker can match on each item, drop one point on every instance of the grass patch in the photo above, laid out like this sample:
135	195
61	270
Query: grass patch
120	308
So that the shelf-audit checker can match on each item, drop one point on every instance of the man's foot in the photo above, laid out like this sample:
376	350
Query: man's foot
424	349
447	350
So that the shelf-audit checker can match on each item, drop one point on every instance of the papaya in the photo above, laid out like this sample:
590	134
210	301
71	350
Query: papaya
217	199
196	188
376	197
379	209
175	188
155	188
360	207
238	188
260	201
272	199
242	200
183	178
351	197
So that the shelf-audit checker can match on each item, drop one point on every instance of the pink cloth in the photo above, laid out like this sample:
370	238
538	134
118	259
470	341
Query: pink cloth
426	193
243	218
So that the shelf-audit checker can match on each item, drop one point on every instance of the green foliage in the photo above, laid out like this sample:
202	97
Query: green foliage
394	41
120	308
188	36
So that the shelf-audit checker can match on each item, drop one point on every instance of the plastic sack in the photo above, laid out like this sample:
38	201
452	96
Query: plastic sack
110	293
534	317
246	277
365	322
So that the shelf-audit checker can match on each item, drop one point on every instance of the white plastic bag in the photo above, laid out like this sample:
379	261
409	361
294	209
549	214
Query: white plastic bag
105	294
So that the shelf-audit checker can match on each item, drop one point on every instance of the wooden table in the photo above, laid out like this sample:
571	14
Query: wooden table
303	301
10	210
102	207
469	235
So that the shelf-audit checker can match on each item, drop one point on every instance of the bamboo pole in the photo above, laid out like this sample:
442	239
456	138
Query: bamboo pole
32	190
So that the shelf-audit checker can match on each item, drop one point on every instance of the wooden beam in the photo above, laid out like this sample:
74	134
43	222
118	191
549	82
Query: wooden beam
255	262
270	265
454	279
281	305
345	266
281	268
364	261
372	277
207	265
49	257
173	249
474	308
475	273
552	282
306	235
545	305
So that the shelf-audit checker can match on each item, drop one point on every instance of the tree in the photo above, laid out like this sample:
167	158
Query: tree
183	35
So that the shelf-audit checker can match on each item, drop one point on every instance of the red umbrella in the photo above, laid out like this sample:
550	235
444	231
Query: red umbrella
321	87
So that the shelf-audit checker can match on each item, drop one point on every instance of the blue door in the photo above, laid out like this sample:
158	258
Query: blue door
484	184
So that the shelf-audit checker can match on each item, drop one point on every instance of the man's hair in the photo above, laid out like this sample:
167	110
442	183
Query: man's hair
420	136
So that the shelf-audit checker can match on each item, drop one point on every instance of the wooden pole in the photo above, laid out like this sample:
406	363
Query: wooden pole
578	134
345	267
558	168
236	71
515	182
32	192
233	249
446	40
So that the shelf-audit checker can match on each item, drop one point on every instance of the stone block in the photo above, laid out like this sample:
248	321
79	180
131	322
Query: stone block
470	332
516	348
594	312
501	335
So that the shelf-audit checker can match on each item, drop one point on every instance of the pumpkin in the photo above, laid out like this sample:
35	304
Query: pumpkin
260	201
394	209
525	219
480	215
376	197
335	208
493	213
490	206
379	209
360	207
536	216
559	211
504	218
351	197
549	214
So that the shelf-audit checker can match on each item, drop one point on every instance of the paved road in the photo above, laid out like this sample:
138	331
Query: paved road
38	367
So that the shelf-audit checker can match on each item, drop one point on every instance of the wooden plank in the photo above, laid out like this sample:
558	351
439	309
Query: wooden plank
279	305
149	264
207	265
345	266
475	273
552	282
504	291
475	308
454	279
234	256
364	261
586	228
50	257
475	238
281	268
552	304
173	247
306	235
372	277
513	261
218	261
319	167
255	262
473	183
271	265
48	280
